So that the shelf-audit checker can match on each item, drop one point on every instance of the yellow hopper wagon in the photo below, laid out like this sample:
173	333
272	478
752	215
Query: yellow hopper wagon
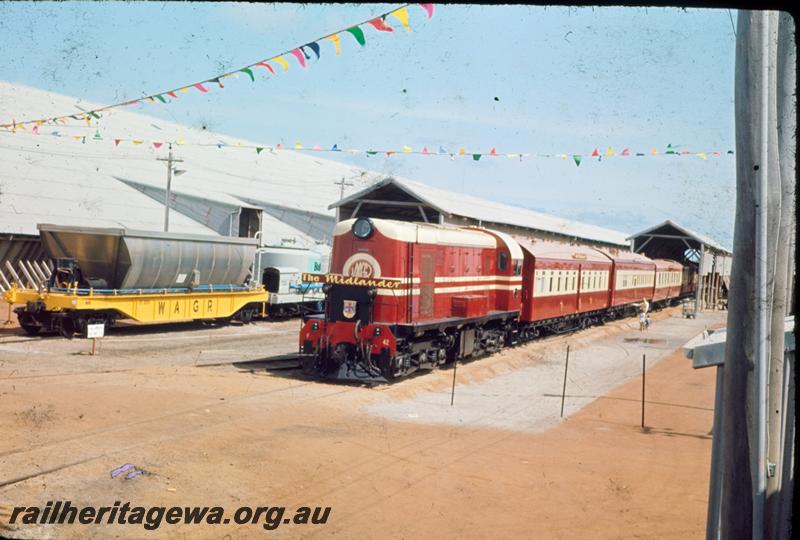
103	275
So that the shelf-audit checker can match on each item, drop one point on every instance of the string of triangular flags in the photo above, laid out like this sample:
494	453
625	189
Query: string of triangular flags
461	152
266	66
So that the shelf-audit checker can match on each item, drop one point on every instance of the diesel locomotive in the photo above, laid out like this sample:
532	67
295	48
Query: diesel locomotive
403	296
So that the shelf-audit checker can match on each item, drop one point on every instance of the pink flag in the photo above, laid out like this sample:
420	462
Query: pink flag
428	8
278	146
626	152
200	87
300	57
425	150
171	93
117	141
157	144
596	153
493	152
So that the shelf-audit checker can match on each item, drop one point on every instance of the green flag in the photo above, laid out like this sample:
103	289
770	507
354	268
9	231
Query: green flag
258	149
577	159
358	34
476	157
249	72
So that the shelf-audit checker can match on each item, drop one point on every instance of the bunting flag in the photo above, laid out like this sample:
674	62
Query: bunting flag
300	57
284	64
379	24
314	47
402	16
577	158
358	33
249	73
336	42
299	52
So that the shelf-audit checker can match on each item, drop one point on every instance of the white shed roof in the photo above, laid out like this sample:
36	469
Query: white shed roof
56	178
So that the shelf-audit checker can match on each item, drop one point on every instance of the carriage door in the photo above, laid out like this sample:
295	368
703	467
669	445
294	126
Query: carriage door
427	274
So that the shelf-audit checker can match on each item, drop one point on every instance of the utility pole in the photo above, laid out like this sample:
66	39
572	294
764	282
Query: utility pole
341	183
169	161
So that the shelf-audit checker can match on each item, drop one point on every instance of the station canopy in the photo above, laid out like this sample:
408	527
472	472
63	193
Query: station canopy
668	240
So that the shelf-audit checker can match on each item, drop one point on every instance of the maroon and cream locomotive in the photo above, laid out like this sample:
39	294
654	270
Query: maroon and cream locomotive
404	296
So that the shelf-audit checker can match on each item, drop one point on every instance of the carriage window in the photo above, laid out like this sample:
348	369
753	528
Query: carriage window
550	289
502	261
573	282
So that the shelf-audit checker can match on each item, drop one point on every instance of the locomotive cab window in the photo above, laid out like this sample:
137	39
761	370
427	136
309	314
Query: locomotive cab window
502	261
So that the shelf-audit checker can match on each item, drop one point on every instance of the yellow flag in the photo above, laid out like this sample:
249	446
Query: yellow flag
610	152
282	62
76	137
336	42
402	15
184	89
137	141
407	149
461	151
701	154
180	141
654	152
298	146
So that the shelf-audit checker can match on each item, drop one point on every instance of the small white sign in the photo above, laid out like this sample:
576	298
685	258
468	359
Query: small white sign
181	278
95	330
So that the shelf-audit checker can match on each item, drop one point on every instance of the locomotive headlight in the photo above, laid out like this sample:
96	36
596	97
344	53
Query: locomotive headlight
315	326
362	228
372	292
378	331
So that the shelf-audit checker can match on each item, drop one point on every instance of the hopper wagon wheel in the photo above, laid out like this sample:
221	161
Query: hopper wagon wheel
28	323
246	314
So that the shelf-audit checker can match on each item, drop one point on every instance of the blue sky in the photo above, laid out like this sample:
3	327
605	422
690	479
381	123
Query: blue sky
518	78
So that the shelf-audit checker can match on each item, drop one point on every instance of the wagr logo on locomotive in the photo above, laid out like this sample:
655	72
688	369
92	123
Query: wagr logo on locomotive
362	265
